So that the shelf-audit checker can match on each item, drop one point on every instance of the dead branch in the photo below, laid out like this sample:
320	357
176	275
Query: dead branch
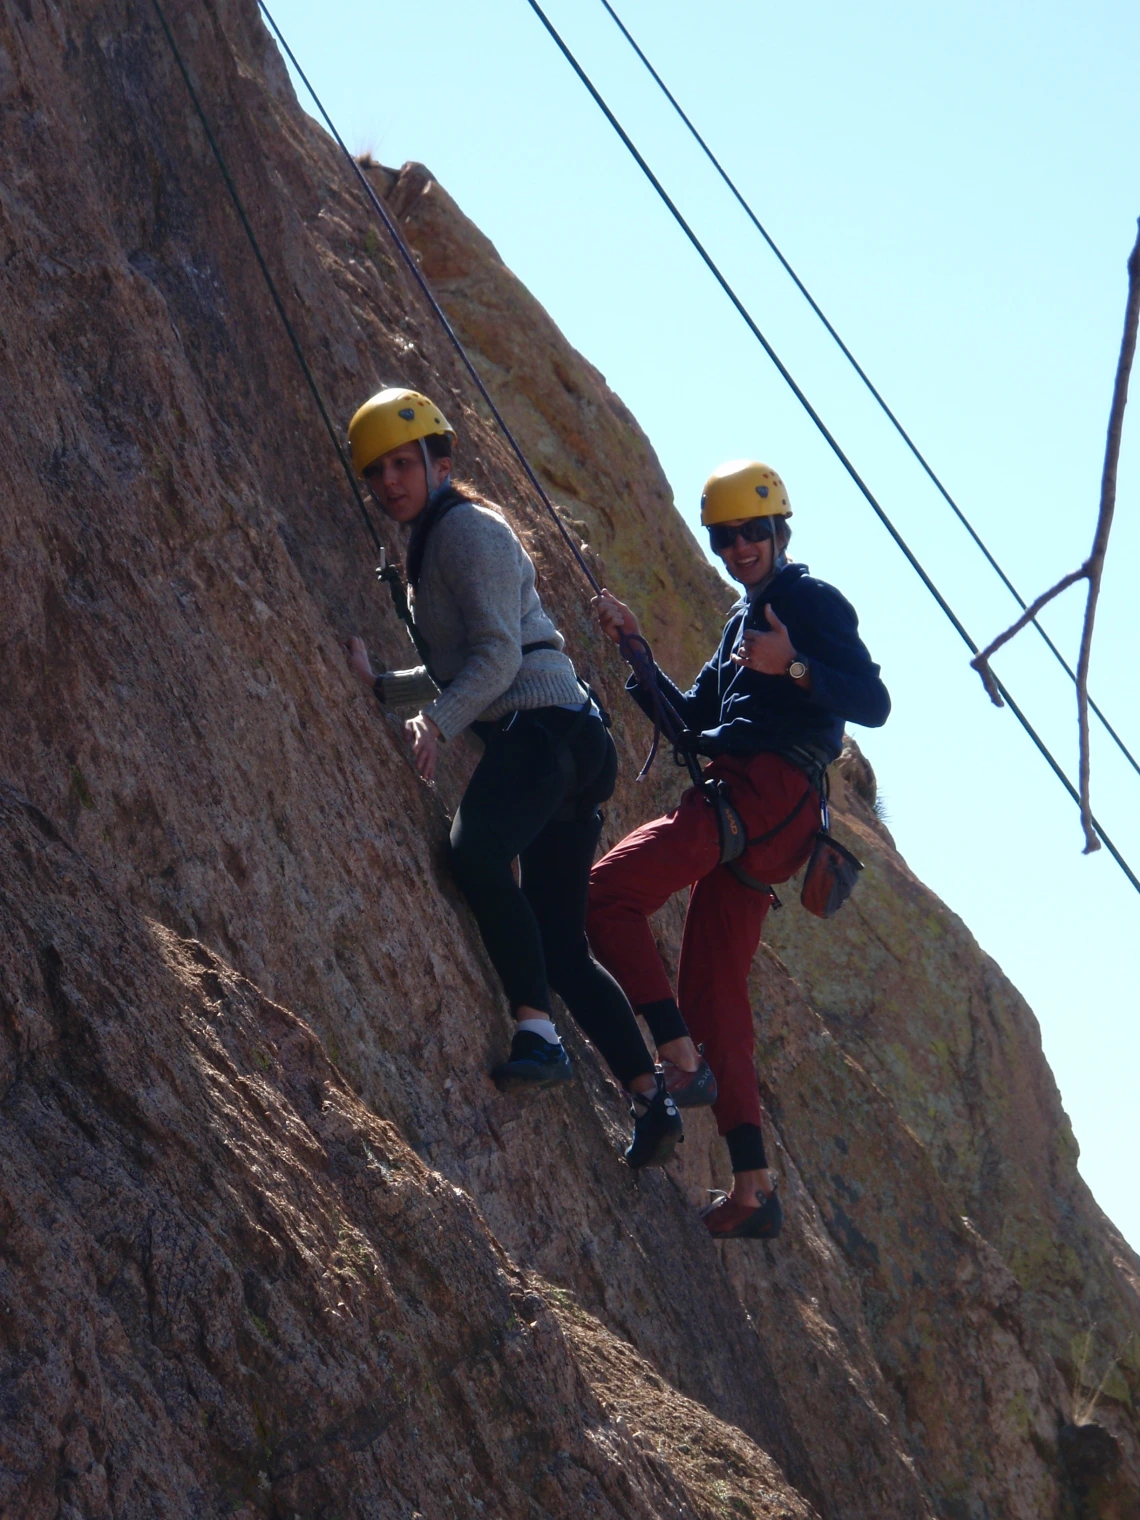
1093	568
981	662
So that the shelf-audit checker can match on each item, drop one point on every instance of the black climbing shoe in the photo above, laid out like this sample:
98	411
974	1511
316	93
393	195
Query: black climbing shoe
657	1128
534	1063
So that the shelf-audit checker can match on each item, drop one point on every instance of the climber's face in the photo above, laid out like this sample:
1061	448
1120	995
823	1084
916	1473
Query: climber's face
399	481
745	562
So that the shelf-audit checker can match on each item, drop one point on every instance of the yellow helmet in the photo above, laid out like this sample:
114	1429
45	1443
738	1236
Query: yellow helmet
743	488
390	418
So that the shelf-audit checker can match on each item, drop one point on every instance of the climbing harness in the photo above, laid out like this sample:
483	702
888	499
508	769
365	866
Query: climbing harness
832	870
828	436
864	377
667	721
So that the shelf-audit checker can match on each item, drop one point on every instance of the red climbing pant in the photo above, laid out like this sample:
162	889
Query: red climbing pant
725	917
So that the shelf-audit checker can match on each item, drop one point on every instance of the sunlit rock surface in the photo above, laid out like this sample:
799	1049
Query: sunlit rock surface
270	1242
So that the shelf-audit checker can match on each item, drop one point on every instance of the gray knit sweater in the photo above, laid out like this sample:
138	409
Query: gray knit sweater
475	606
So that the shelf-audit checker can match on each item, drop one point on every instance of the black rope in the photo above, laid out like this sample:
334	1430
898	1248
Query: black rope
635	650
426	290
830	438
866	379
269	281
386	573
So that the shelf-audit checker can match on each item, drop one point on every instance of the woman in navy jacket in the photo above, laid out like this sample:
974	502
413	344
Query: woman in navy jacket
769	710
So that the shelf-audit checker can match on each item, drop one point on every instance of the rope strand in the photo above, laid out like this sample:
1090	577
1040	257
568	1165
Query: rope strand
385	573
828	436
219	158
866	379
441	316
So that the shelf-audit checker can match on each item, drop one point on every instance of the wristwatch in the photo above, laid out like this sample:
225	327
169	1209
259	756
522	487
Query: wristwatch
797	668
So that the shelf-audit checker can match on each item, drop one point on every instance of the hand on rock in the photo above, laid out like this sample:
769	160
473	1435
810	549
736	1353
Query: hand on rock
358	661
422	734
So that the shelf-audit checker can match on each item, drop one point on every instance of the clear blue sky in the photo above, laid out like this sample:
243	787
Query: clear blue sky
959	189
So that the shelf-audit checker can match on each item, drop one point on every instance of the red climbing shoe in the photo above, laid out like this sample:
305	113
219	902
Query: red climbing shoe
726	1220
690	1089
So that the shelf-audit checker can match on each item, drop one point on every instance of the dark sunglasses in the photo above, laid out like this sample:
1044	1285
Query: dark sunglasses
756	530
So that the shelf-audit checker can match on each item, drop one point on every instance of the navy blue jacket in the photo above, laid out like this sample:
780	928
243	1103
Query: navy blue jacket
743	712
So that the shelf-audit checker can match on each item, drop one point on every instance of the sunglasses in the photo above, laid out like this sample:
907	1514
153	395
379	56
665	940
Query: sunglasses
756	530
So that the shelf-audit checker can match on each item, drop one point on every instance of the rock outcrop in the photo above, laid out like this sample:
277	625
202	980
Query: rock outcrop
270	1242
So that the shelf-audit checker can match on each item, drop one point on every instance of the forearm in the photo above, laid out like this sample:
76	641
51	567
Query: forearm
858	696
687	707
410	689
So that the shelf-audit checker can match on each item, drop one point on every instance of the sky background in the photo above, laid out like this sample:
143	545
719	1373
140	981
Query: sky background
958	187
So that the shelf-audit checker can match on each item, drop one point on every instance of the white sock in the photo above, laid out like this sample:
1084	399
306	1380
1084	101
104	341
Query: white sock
542	1027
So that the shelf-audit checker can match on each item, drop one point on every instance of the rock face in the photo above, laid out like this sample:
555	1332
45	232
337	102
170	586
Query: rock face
270	1242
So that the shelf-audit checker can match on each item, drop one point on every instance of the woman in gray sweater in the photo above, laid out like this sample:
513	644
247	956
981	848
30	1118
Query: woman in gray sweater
496	664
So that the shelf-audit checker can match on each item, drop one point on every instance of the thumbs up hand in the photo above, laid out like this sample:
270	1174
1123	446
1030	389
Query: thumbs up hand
770	651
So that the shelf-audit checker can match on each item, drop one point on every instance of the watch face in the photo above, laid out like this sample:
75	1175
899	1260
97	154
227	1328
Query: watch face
797	669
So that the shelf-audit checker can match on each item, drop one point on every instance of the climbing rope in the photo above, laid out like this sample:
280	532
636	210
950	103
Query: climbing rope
829	437
866	379
388	574
429	296
634	649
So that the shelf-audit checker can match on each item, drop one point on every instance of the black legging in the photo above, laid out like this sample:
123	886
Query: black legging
535	930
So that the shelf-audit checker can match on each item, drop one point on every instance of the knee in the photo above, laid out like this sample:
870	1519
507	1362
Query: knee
471	866
605	889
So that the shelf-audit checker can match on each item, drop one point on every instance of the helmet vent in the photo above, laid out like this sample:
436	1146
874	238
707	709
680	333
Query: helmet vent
407	413
761	490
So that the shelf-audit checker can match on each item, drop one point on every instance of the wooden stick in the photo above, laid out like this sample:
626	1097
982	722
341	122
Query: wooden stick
981	662
1093	568
1104	527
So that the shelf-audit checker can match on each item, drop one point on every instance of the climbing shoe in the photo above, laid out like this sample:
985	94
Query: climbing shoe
726	1220
657	1128
690	1089
533	1063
